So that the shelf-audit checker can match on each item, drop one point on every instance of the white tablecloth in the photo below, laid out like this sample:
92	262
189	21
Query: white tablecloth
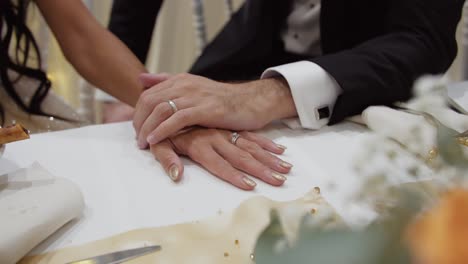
125	188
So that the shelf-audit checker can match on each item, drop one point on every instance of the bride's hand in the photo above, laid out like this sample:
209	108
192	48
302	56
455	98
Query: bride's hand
212	149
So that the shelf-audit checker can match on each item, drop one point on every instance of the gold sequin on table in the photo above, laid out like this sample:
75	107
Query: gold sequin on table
236	242
463	141
226	254
317	190
313	211
433	153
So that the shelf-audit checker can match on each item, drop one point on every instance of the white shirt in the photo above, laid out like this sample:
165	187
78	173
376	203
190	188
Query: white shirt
313	90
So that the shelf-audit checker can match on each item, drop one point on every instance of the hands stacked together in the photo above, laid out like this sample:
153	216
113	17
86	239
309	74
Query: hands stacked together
193	116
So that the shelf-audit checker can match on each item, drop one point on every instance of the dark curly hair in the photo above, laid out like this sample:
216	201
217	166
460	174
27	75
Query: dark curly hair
18	39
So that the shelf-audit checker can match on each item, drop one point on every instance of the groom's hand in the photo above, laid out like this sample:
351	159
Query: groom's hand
212	149
177	102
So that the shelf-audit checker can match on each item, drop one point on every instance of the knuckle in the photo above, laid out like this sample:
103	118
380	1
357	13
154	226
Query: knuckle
165	158
213	132
247	134
146	101
218	136
185	116
185	75
145	93
245	157
163	109
196	154
194	148
182	75
184	84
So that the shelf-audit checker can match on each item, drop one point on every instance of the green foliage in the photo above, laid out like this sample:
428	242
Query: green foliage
380	243
450	149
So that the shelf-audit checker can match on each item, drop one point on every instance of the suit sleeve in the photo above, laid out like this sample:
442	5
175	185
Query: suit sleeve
419	39
133	21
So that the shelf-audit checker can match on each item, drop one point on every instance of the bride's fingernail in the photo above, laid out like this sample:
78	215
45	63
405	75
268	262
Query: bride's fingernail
285	164
281	146
278	176
249	182
174	172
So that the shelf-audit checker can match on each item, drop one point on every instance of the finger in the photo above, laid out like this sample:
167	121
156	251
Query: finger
160	113
147	102
264	142
219	167
178	121
245	162
164	152
148	80
263	156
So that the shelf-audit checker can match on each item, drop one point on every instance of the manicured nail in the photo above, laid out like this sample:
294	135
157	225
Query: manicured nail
285	164
279	177
174	172
142	144
281	146
151	139
249	182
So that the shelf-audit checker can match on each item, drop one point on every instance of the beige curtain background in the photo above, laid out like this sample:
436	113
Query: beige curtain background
174	43
173	47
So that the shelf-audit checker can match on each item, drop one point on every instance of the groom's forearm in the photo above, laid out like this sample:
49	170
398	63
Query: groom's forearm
94	52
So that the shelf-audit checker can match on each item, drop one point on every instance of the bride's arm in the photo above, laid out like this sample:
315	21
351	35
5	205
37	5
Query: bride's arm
95	53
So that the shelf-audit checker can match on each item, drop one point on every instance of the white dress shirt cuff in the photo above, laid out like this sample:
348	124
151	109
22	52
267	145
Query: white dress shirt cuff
314	92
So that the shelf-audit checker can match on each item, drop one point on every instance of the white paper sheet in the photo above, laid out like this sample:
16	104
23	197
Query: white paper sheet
33	205
125	188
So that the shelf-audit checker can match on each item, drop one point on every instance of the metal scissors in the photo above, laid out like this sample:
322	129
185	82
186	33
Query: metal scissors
118	256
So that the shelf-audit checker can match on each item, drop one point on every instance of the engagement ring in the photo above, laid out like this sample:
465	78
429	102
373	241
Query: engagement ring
234	137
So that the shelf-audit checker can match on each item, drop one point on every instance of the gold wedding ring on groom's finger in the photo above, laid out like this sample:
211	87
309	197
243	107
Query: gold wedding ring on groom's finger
234	137
173	106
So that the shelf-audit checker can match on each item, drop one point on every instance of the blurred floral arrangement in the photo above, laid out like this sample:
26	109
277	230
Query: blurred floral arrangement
421	221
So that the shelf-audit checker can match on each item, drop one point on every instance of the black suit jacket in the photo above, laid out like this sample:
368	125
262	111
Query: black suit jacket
374	49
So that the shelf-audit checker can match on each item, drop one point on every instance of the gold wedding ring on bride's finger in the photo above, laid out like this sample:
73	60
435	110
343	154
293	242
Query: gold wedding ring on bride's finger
173	106
234	137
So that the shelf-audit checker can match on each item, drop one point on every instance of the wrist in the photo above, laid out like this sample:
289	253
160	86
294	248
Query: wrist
279	103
